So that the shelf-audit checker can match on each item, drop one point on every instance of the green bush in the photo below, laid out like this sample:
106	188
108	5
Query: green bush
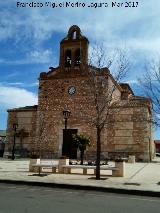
82	141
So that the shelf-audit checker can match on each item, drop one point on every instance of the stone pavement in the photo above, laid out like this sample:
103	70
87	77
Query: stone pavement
140	178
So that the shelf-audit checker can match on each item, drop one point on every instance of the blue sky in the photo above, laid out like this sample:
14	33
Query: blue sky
29	42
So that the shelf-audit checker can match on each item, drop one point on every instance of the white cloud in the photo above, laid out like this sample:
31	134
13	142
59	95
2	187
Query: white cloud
35	84
15	84
149	45
131	82
33	57
12	74
11	97
39	56
18	84
138	27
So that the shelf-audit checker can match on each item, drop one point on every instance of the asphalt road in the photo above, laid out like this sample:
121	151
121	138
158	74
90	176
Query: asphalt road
30	199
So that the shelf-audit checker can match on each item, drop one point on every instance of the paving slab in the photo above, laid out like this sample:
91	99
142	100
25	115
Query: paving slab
141	178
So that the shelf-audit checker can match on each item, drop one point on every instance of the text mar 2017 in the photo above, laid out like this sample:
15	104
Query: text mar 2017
125	4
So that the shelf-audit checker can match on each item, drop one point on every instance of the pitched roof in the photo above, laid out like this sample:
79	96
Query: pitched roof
126	88
26	108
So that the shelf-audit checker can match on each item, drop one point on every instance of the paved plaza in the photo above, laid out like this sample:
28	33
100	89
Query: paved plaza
138	176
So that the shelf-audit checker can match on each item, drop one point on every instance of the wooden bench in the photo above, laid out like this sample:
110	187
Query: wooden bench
41	166
66	169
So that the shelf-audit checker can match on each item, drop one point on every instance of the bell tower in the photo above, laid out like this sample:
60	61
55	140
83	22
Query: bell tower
73	49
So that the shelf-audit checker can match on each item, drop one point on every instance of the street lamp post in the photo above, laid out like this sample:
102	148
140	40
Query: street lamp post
66	114
15	126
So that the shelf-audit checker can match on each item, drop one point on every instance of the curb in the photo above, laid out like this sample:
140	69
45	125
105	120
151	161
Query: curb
83	187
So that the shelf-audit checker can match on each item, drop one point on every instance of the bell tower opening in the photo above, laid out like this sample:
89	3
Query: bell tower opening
73	49
77	57
74	35
68	59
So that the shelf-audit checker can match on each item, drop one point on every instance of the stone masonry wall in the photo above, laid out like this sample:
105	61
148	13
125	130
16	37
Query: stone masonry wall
25	136
127	132
53	99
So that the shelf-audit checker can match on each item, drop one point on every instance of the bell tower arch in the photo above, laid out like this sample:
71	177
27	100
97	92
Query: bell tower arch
73	49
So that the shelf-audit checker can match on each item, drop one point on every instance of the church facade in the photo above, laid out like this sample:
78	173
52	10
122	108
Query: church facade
41	128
